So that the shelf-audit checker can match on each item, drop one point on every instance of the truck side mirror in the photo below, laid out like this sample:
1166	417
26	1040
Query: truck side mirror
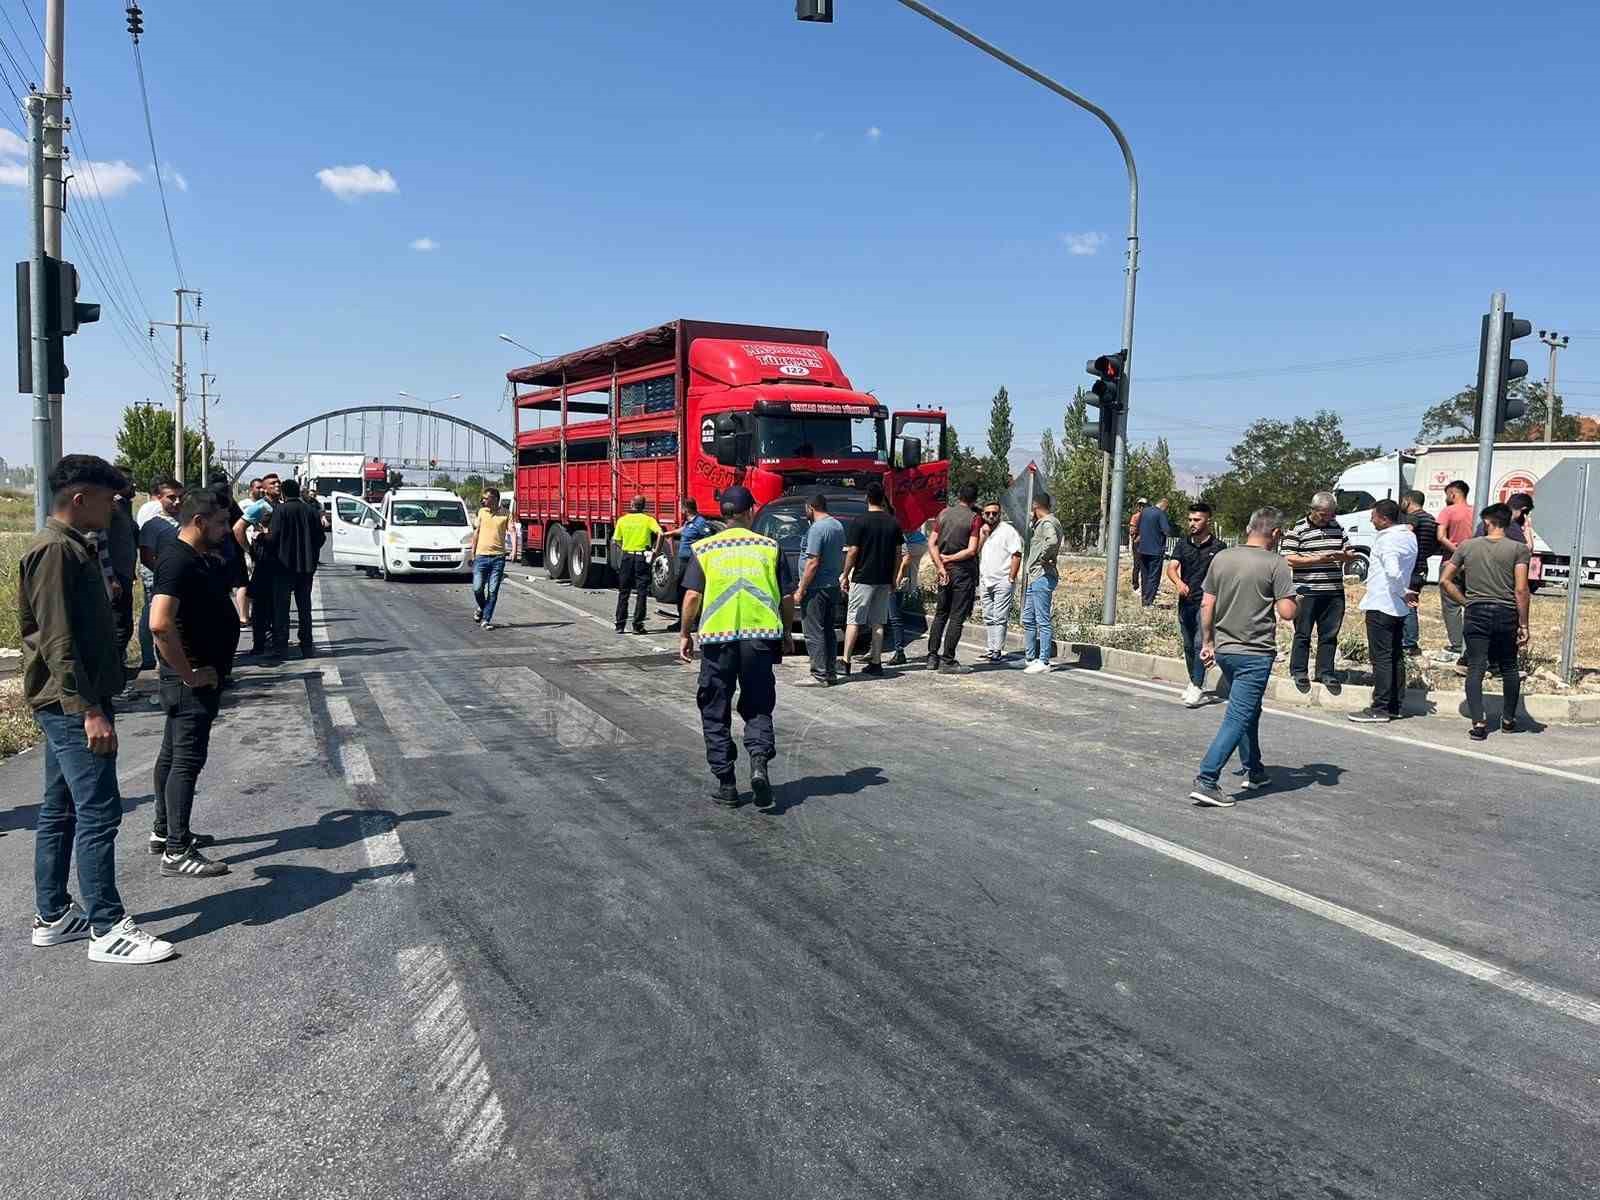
910	453
732	440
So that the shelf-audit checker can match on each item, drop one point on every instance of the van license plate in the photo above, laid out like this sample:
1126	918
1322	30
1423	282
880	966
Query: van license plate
440	558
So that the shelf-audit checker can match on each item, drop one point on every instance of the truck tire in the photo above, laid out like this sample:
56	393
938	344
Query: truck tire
665	571
1358	567
581	566
555	552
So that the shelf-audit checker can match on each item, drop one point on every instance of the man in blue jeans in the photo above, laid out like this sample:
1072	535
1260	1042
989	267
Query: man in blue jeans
488	557
1044	548
71	669
1248	590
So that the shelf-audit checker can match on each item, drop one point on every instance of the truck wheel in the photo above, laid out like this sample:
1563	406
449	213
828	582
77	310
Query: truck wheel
664	573
581	566
555	552
1358	568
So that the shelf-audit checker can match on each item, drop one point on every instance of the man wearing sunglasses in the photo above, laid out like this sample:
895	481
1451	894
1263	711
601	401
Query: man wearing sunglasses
999	563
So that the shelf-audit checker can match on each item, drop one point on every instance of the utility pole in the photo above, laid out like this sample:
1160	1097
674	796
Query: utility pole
179	385
1556	341
205	381
55	153
43	458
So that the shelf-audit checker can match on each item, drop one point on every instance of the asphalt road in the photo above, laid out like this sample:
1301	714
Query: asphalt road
487	936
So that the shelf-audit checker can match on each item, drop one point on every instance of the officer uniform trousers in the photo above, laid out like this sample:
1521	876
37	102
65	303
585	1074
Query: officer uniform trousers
747	667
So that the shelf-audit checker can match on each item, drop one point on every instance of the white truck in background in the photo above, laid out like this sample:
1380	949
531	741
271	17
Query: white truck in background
324	474
1518	467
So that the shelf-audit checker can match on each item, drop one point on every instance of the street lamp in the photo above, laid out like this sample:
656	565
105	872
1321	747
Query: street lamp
432	450
822	11
506	337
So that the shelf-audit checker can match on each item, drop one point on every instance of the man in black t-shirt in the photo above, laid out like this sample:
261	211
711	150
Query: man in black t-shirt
875	562
1187	569
196	630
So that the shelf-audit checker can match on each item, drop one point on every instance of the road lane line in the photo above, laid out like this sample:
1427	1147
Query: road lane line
354	764
571	608
462	1096
1587	760
340	712
1579	1007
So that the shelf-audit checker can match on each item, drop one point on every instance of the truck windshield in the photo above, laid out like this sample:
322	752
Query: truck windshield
1354	502
820	437
328	485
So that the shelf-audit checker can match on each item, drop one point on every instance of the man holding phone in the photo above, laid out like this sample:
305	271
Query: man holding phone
1317	550
196	629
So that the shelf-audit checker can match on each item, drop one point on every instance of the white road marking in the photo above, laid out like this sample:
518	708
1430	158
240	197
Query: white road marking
421	720
340	712
1580	1007
571	608
1126	683
383	849
461	1095
354	764
330	675
1588	760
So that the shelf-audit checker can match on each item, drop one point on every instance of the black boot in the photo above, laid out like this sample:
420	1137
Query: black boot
727	793
760	784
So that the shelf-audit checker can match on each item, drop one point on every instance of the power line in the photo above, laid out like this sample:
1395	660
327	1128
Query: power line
1309	368
155	159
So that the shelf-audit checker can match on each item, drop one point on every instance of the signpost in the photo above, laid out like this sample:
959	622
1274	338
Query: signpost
1568	496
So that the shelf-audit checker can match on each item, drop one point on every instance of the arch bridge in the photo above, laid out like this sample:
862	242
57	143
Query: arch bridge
404	437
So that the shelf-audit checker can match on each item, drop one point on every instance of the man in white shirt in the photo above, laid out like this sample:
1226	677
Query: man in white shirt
999	562
1389	597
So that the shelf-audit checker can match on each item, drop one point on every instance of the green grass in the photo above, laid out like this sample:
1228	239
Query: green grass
11	547
16	511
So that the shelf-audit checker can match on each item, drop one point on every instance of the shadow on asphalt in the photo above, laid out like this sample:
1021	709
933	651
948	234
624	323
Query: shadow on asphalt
26	816
1293	779
281	891
331	831
814	787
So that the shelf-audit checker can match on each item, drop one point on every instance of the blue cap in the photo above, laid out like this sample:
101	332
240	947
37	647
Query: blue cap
737	499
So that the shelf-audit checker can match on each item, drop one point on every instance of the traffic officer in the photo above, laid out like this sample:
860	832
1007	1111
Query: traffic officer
748	592
635	534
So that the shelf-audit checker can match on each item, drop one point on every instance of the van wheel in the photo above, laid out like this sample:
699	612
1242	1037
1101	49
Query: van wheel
1357	569
555	552
581	566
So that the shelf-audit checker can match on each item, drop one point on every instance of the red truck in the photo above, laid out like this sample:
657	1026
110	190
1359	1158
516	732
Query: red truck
689	408
374	480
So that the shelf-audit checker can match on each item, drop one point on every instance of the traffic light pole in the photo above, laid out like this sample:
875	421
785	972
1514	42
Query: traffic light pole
1119	459
1488	401
55	153
43	459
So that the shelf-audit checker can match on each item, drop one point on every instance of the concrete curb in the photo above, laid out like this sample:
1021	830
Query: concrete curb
1545	709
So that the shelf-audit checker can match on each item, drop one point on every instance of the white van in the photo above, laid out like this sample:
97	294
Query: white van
413	531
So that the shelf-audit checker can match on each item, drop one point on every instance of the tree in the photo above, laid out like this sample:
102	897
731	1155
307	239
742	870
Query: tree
965	464
1074	482
996	469
1049	456
1282	464
144	446
1451	421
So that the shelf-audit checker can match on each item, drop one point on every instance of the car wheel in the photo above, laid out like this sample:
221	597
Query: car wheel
555	552
580	562
1357	568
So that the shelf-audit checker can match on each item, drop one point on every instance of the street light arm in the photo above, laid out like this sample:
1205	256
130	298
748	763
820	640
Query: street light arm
1119	458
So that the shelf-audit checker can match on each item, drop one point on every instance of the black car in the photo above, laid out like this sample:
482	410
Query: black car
784	521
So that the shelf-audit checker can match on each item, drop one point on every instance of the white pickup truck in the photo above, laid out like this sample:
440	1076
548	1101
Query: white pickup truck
1518	467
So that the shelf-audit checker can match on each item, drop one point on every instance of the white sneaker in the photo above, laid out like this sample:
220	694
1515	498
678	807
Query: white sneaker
1193	697
70	926
488	624
125	942
1036	667
1447	657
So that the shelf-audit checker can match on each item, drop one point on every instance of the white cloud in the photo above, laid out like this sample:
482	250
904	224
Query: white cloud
424	243
89	178
360	180
105	178
873	133
1083	243
175	177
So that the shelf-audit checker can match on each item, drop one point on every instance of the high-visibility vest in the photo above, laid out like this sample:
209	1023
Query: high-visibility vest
741	600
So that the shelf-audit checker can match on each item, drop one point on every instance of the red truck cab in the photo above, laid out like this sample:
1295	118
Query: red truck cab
689	408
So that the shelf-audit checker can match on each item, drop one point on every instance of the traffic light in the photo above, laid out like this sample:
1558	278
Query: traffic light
814	10
1507	408
63	314
1106	396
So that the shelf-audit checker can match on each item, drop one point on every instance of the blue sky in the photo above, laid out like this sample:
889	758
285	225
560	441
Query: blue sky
1342	185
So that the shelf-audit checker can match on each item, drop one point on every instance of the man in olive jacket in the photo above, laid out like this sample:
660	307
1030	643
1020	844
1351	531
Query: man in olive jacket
71	669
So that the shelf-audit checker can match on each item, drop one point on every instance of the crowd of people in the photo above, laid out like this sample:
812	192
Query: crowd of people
208	566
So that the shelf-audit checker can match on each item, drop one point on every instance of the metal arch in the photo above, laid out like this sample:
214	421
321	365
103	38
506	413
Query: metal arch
244	469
